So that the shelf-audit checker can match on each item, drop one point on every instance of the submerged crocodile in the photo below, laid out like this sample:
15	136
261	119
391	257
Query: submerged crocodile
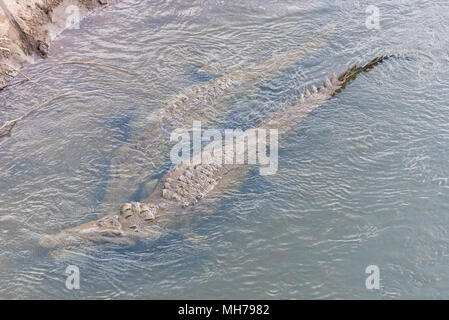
130	166
187	184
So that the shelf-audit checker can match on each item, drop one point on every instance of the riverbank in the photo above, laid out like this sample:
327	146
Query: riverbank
28	26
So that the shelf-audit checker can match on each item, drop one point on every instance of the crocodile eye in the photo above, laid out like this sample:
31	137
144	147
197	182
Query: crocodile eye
134	227
125	210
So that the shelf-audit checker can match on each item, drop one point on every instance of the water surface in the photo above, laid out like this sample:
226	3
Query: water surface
362	181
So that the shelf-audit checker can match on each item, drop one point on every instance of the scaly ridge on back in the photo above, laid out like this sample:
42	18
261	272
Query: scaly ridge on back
186	184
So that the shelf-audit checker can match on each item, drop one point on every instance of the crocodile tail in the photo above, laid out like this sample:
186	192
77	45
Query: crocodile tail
346	77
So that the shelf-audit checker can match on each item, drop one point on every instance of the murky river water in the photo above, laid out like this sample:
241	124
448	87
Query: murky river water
362	181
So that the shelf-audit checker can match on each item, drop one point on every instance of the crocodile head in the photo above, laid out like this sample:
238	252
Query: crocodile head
134	220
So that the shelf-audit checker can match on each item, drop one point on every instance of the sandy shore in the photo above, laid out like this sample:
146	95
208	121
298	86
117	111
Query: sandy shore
28	26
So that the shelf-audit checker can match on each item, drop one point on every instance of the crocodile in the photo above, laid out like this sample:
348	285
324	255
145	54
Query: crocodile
131	163
192	182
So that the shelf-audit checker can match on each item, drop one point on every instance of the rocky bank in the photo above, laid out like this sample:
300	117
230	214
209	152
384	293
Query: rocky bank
28	26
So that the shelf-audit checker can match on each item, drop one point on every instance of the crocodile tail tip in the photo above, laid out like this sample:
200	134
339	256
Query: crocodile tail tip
352	72
334	79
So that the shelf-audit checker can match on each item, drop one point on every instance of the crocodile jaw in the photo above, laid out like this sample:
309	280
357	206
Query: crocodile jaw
133	221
